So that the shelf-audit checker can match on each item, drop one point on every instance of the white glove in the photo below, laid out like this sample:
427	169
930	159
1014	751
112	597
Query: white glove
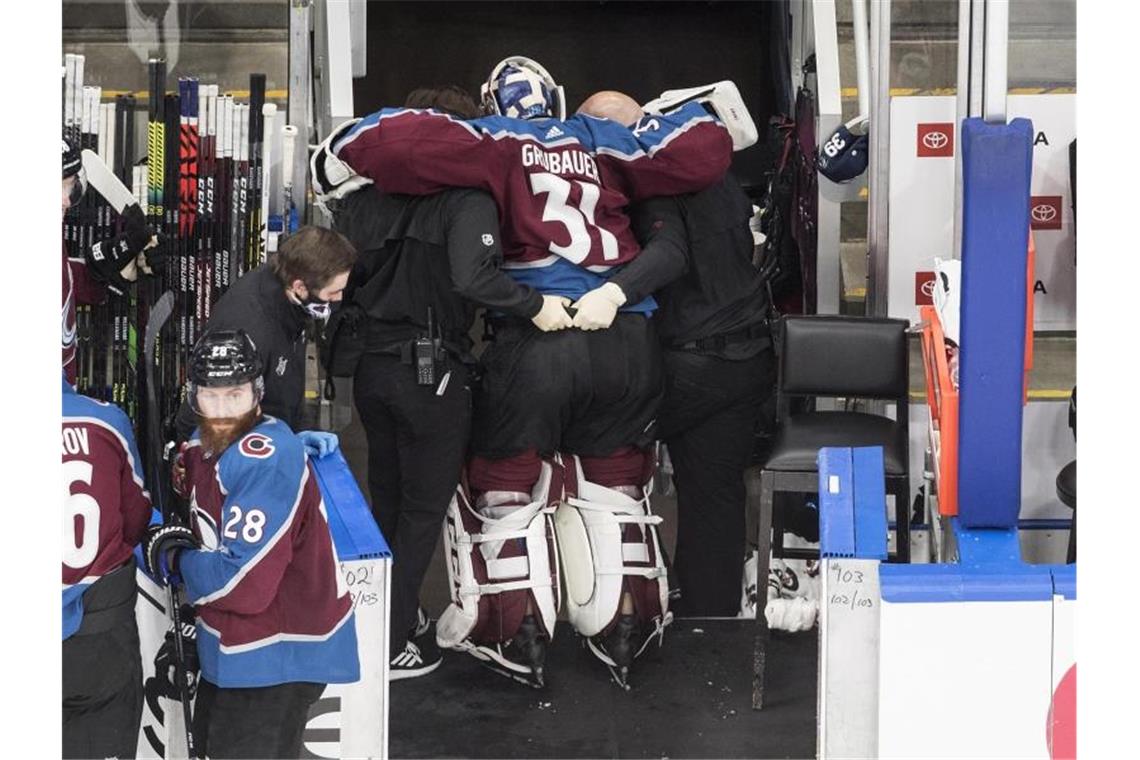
553	314
597	309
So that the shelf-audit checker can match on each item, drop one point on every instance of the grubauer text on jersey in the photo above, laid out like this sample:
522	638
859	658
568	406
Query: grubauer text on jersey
272	605
106	506
561	186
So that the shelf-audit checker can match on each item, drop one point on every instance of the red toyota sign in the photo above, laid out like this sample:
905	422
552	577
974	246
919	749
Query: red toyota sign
924	288
936	140
1045	212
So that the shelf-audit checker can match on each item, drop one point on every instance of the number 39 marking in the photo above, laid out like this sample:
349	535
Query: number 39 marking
253	528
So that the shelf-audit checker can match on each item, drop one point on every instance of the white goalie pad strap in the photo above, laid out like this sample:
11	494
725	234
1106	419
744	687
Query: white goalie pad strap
595	560
725	100
535	572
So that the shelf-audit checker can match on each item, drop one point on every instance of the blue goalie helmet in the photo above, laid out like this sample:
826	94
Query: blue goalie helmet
521	88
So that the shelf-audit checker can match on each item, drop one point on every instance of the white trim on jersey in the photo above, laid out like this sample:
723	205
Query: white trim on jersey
122	441
272	542
672	136
276	638
336	149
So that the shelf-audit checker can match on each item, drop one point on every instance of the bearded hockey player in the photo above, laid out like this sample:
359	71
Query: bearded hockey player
105	510
274	617
110	264
560	185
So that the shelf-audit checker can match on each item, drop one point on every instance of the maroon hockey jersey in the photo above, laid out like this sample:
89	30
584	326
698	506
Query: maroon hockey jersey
105	505
78	287
561	186
272	604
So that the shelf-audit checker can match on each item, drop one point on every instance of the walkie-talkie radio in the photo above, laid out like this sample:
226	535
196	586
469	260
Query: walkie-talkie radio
424	350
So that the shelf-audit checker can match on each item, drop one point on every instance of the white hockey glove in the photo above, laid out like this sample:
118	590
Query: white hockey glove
597	309
553	314
723	98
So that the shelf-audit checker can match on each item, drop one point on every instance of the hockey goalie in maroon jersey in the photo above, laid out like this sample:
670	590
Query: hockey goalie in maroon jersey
563	425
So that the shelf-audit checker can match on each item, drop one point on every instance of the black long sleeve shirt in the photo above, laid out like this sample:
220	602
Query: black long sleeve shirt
712	288
441	250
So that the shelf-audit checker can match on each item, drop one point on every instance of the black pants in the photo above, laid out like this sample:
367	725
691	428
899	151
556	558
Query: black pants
708	421
261	722
416	445
102	692
587	393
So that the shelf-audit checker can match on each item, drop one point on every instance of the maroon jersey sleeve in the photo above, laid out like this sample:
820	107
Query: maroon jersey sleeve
681	152
420	152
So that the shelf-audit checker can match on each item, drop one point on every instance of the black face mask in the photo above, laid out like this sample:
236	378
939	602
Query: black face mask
316	308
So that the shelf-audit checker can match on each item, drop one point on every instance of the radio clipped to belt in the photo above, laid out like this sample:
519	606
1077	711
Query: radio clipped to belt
427	356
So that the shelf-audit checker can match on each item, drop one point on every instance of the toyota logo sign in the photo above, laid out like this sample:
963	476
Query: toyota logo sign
924	288
1045	212
935	140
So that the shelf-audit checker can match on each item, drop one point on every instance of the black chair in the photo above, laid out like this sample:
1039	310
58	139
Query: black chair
841	357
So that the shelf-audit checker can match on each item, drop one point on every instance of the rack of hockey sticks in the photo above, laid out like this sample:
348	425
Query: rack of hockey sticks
200	175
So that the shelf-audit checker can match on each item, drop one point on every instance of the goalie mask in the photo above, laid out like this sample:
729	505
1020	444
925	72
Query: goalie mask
521	88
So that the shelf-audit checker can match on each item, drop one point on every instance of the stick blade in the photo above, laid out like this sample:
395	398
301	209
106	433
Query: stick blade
100	177
159	313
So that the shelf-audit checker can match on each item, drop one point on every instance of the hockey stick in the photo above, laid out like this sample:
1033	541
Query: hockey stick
289	208
160	312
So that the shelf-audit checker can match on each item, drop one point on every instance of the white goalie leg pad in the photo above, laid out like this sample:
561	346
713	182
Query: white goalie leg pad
595	560
474	540
725	100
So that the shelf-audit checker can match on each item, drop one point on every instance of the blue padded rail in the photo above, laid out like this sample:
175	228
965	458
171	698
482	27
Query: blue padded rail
852	507
989	569
836	503
870	502
997	162
354	531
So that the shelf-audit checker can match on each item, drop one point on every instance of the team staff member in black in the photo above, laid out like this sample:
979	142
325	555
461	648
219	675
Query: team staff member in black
273	303
719	367
437	254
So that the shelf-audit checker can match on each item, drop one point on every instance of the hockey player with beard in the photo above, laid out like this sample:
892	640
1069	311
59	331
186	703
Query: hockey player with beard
560	185
106	510
274	616
108	265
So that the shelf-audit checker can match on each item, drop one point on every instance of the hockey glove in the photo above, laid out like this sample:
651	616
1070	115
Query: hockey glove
116	261
333	179
160	550
597	309
318	443
553	314
165	670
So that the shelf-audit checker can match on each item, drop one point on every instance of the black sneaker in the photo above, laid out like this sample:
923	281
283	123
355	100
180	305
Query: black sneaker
419	657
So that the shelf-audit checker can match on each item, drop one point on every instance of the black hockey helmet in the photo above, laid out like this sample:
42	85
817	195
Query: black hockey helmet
224	357
72	159
73	167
